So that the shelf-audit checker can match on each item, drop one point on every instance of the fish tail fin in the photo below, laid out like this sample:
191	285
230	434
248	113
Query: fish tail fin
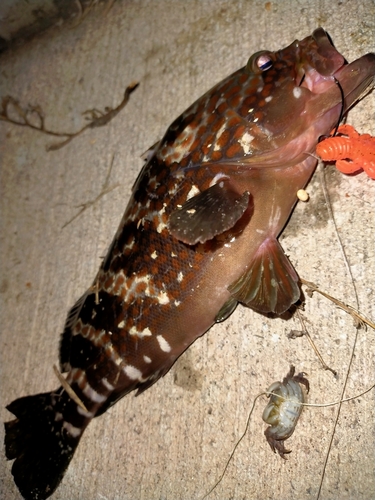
41	441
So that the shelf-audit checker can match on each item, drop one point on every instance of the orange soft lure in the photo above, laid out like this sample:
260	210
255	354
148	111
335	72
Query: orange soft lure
350	150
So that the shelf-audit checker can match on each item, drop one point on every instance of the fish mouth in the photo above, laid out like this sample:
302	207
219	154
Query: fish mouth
325	67
356	79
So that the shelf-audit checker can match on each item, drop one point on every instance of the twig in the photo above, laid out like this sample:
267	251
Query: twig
316	350
98	118
359	319
8	102
105	190
25	117
68	389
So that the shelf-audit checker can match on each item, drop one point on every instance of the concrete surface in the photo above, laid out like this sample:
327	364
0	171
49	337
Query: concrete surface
20	20
174	440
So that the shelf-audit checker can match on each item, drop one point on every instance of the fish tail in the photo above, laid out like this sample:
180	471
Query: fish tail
42	441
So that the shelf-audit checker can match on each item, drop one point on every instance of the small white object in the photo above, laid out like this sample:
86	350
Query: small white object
302	195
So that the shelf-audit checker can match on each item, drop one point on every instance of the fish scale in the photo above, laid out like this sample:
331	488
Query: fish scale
198	236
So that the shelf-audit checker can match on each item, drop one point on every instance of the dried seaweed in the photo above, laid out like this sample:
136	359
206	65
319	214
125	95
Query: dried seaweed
33	117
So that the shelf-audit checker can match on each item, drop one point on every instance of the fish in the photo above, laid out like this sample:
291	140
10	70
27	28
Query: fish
198	236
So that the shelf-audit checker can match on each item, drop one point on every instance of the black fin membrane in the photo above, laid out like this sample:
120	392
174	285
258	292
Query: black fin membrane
38	442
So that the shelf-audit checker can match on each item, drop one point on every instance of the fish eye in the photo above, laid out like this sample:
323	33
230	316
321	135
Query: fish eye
264	62
260	61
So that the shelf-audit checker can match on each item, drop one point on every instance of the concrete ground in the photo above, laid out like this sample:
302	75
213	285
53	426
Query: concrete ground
173	441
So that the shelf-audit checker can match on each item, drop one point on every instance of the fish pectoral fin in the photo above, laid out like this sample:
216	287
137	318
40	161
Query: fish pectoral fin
208	214
270	284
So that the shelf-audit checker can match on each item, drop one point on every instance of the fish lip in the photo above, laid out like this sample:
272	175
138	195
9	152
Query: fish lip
325	57
325	66
357	78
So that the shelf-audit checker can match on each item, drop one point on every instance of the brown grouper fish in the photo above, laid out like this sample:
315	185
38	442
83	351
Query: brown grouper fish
199	235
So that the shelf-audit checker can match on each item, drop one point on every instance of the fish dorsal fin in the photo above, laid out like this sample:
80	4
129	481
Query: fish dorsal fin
270	284
208	214
150	151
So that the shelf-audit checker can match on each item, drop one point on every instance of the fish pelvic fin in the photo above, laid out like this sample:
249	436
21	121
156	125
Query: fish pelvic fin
270	284
41	442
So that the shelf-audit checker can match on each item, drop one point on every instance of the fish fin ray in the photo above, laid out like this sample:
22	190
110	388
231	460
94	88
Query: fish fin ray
150	151
270	284
208	214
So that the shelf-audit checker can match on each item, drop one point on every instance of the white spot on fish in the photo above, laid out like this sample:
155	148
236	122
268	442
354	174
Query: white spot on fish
84	413
180	277
217	178
259	89
154	254
161	227
177	303
173	254
92	394
268	99
297	92
107	385
144	333
132	372
193	192
73	431
163	298
146	359
245	142
121	324
164	346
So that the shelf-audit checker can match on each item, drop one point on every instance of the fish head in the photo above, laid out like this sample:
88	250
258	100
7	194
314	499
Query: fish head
301	93
270	112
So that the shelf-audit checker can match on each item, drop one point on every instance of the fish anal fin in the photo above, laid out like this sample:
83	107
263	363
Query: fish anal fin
270	284
66	336
208	214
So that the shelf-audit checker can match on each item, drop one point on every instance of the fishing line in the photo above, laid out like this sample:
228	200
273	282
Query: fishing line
342	104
